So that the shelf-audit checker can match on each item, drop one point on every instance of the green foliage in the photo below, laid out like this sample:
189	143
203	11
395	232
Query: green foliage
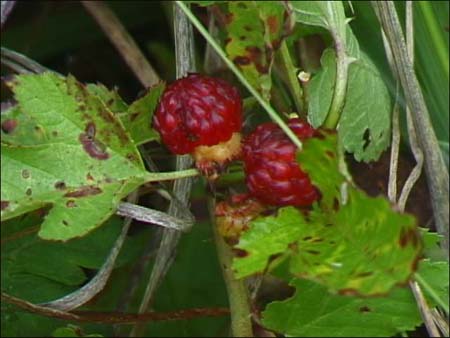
352	245
255	30
67	149
313	312
72	331
365	123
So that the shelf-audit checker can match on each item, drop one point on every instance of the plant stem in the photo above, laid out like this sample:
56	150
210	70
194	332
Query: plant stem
272	113
171	175
123	42
293	83
340	87
241	325
437	174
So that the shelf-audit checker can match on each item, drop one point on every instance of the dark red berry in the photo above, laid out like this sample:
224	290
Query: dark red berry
272	173
199	111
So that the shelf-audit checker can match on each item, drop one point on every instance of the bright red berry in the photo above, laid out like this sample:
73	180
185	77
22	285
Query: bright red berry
272	173
202	116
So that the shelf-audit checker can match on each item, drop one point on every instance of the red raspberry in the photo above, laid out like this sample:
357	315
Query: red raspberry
202	116
272	173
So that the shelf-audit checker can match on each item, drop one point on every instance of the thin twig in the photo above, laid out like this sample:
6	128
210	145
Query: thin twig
437	174
96	284
123	42
114	317
424	309
20	63
185	62
5	10
154	216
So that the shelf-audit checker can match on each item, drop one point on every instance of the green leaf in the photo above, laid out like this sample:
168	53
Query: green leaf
433	277
313	312
80	159
356	245
110	98
72	331
138	117
365	123
255	30
327	14
321	89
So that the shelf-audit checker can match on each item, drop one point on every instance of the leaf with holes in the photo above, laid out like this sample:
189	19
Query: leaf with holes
356	244
68	150
365	123
313	312
255	30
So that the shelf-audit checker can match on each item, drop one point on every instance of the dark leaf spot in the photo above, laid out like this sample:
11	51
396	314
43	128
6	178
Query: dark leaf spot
71	204
241	60
364	274
348	292
293	246
273	23
335	204
240	253
366	138
408	236
318	240
4	204
247	28
28	192
60	185
313	252
364	309
242	38
307	238
88	190
54	133
133	116
65	223
330	154
92	147
25	173
89	177
9	125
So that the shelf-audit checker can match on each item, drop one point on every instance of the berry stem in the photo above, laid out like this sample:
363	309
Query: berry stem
241	324
172	175
272	113
293	83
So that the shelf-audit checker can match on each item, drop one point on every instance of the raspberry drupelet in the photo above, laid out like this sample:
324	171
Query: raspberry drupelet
202	116
272	173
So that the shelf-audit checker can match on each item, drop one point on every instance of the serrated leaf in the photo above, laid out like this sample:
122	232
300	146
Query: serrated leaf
138	117
320	160
313	312
436	276
358	245
326	14
255	29
81	159
111	98
365	123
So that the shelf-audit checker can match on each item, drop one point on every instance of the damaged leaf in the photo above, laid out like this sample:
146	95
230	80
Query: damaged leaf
67	150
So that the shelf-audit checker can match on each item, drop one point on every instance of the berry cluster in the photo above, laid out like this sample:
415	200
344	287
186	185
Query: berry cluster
203	116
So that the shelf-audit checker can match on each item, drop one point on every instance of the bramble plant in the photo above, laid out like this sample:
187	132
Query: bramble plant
290	99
